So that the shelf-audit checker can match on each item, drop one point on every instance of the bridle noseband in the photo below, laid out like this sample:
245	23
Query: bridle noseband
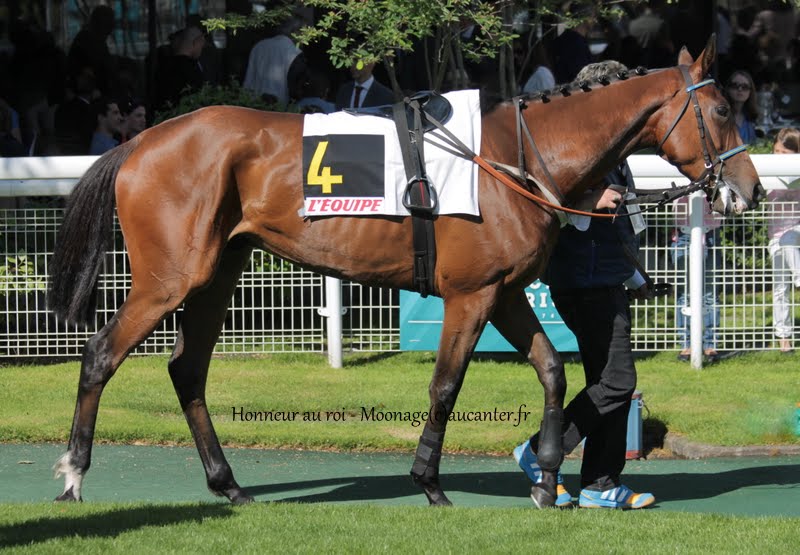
710	179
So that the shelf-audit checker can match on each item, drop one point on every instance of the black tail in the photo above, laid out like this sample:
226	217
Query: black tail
83	239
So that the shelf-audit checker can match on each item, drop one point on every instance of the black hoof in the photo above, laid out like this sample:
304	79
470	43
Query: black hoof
433	491
67	496
235	495
240	497
437	498
543	497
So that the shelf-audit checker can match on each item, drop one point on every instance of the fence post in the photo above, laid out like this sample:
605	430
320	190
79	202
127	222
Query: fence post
696	281
333	311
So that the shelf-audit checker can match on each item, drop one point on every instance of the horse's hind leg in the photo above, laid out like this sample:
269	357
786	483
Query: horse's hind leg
515	320
203	317
464	320
102	355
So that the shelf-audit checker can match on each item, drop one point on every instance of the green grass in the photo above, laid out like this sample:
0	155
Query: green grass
326	528
742	401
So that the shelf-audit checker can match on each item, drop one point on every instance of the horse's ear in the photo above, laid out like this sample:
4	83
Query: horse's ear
684	58
709	54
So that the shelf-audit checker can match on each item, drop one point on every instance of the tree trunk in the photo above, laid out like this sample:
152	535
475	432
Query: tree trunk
441	70
509	83
391	71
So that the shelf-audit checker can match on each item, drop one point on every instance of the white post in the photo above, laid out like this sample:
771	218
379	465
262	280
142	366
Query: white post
696	282
333	311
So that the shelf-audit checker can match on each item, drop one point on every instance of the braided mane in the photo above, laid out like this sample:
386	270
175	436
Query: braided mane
584	85
490	101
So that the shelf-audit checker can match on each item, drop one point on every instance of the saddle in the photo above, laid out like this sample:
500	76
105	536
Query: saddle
430	102
411	117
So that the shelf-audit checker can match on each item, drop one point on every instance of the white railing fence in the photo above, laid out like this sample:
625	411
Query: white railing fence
278	307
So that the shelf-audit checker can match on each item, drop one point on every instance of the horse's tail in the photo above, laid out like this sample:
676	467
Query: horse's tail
83	239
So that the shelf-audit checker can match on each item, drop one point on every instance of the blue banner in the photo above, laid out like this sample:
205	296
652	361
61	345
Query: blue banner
421	323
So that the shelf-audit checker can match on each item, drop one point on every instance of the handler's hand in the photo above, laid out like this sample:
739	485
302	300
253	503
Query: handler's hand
644	293
609	199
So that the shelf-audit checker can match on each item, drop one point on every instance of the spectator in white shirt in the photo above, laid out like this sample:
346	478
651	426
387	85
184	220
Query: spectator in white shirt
276	66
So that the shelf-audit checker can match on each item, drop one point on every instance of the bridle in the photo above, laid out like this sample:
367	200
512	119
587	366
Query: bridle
711	178
710	181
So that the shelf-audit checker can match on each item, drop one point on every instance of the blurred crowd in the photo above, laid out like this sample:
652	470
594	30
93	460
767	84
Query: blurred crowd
85	100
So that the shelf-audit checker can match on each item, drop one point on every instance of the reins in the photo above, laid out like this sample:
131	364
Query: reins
510	180
515	180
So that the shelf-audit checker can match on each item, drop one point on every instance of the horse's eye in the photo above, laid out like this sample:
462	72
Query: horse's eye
723	111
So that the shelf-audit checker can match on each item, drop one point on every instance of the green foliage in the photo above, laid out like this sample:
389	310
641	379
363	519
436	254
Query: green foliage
264	262
234	21
761	146
735	236
18	273
231	94
580	11
369	31
19	270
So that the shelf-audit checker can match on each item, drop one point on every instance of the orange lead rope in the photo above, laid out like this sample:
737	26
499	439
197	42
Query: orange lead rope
506	180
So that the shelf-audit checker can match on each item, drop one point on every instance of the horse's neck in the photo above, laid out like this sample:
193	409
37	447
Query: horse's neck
584	136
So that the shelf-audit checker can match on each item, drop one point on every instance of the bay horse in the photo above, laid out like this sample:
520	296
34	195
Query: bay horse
197	193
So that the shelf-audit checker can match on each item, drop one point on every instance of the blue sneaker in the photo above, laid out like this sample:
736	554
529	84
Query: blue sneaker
527	461
620	497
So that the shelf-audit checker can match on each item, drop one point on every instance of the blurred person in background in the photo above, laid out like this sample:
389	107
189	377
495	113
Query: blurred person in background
741	93
10	139
108	128
74	120
90	47
180	72
134	120
783	226
712	260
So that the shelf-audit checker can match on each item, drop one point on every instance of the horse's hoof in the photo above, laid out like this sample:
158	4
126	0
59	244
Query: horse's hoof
438	499
433	492
241	498
235	495
67	496
542	497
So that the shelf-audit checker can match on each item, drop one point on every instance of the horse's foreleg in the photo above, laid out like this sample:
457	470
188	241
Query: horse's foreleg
102	355
203	317
464	320
515	320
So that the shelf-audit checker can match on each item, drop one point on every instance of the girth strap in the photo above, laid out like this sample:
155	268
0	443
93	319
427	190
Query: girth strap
419	196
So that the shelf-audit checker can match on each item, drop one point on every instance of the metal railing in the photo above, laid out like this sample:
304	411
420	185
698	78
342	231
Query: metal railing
276	306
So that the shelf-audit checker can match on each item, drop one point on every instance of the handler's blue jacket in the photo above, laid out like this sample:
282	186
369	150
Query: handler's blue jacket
595	257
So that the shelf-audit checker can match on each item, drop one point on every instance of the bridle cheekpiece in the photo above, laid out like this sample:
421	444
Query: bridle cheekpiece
711	178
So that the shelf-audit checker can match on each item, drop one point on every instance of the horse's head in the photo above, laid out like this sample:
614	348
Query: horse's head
703	142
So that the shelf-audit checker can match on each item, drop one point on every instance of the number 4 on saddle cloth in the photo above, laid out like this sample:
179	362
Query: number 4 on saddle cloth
374	161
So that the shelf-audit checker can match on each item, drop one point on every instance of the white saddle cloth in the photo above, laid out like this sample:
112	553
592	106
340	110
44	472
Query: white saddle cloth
455	179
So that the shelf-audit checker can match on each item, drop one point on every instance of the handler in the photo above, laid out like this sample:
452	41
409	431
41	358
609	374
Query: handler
588	273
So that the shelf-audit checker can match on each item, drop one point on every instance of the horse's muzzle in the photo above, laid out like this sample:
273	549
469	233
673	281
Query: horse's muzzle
730	200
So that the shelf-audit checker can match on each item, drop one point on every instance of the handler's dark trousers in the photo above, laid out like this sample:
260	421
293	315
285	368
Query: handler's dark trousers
601	321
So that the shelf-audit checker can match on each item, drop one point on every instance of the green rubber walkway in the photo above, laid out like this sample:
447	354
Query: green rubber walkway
743	486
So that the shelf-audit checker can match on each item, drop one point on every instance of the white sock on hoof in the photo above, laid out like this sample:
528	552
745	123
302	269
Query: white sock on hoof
72	477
